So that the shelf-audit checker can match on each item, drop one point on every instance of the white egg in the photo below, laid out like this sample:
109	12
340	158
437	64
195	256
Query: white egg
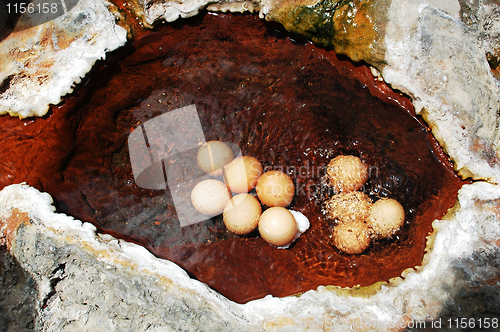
209	197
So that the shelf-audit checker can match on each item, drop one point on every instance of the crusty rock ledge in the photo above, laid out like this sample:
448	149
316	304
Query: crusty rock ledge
38	66
87	281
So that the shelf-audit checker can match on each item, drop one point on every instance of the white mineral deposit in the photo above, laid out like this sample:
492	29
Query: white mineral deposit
78	279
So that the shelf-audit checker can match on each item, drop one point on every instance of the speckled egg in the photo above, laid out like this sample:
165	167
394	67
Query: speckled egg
347	173
241	214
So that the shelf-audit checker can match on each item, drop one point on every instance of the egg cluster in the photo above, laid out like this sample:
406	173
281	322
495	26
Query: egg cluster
242	212
358	221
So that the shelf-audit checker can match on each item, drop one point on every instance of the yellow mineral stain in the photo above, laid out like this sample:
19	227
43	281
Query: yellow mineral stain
279	323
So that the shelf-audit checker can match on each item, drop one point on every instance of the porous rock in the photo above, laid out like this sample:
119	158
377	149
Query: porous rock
40	65
436	52
86	280
440	62
172	10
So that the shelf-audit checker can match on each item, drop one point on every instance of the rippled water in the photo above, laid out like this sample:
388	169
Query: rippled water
288	103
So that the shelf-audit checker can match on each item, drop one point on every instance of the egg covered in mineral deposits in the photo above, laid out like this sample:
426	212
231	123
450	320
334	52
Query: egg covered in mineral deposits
352	237
386	217
348	207
347	173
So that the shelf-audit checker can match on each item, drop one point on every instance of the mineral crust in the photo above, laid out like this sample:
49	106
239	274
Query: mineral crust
85	280
38	66
441	63
443	54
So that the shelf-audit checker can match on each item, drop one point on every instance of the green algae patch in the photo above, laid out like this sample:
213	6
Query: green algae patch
353	27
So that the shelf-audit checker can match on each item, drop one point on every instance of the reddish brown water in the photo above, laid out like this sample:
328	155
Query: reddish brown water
288	103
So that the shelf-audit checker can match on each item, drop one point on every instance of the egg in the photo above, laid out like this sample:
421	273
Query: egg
387	216
348	207
277	226
242	173
213	156
347	173
352	237
275	188
241	214
209	197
